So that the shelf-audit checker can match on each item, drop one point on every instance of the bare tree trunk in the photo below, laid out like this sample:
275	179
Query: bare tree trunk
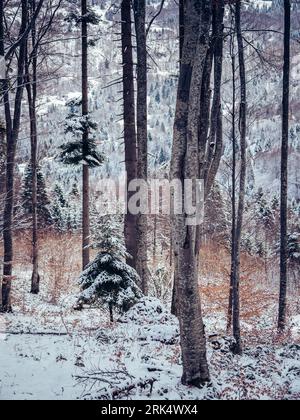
243	177
210	147
238	223
142	136
185	165
2	122
233	196
154	249
111	312
31	87
215	149
130	229
284	168
181	28
2	161
85	138
174	305
12	132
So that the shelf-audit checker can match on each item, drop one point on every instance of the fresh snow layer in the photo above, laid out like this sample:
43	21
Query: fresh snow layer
136	358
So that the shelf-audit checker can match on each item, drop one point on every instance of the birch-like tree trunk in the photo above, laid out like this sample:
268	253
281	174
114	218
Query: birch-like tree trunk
284	168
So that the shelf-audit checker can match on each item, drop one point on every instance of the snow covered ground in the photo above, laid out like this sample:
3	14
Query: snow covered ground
136	358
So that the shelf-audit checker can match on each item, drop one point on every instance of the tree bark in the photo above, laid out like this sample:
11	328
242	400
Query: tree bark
2	161
31	87
216	124
130	228
174	304
85	138
185	165
12	132
284	168
111	312
2	122
142	136
238	218
233	176
210	147
181	28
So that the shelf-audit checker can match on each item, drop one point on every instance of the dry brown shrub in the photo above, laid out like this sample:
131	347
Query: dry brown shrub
258	297
60	256
60	262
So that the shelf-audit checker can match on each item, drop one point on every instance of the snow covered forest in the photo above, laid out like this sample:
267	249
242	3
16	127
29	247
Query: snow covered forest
149	200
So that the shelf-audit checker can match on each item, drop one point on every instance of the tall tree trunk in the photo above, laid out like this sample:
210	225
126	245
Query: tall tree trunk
185	165
236	263
12	132
215	145
233	184
284	168
142	136
2	122
85	138
181	28
233	244
174	305
31	87
2	161
210	147
130	229
233	195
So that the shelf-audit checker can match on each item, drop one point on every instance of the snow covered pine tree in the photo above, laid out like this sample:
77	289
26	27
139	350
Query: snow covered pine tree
44	215
108	280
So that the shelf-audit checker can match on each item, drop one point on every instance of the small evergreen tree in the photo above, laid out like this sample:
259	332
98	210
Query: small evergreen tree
294	248
75	191
59	209
108	280
76	152
44	215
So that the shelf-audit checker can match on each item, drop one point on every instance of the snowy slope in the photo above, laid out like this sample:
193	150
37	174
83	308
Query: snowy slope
264	98
137	358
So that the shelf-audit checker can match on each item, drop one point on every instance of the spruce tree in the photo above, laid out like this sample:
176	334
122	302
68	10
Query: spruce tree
43	202
83	150
294	248
108	280
59	209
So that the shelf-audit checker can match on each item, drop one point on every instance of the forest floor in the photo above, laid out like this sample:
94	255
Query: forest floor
53	352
